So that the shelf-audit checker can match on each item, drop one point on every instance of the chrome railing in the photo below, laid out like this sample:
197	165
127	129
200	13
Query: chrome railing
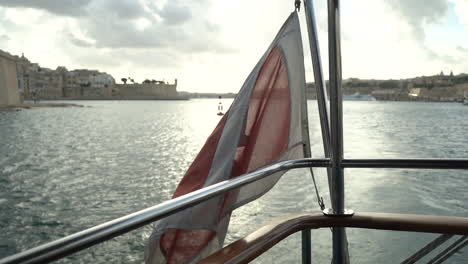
108	230
89	237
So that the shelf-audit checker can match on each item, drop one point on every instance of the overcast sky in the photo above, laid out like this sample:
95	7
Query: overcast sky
211	45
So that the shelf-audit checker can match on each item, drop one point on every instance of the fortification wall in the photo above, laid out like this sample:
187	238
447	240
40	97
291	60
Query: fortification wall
8	80
443	94
139	90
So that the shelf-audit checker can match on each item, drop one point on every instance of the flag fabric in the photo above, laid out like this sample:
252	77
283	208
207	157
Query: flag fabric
266	123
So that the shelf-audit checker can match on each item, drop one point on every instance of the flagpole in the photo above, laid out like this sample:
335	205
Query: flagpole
332	138
318	76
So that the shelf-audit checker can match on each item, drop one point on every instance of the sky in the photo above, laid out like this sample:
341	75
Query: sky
212	45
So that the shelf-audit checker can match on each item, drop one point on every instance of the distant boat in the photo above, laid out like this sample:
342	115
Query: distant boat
359	97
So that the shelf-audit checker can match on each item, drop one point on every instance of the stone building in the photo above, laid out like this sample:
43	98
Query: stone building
9	93
88	84
30	78
23	67
43	83
53	85
35	81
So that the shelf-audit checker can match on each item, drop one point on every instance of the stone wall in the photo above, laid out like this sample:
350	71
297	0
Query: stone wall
456	92
85	92
141	90
8	80
453	93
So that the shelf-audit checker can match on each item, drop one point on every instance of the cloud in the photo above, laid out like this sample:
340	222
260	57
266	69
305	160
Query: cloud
205	39
4	39
444	58
134	24
462	49
174	13
122	9
71	8
419	13
141	38
78	42
461	10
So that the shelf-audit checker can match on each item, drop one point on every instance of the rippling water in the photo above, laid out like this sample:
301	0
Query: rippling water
66	169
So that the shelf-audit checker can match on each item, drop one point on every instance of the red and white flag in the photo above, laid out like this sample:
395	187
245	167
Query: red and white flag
266	123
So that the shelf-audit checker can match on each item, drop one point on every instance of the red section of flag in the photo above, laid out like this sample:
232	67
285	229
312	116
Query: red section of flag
179	245
266	139
198	172
269	116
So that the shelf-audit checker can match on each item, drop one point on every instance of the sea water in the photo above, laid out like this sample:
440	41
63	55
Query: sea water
63	170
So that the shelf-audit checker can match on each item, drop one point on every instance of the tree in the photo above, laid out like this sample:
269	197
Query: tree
146	81
389	84
124	80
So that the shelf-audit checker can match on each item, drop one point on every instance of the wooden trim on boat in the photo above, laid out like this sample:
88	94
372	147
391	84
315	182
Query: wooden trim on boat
253	245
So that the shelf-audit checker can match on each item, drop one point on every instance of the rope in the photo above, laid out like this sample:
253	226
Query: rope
308	153
319	198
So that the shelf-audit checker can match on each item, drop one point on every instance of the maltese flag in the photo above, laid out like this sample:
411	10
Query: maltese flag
266	123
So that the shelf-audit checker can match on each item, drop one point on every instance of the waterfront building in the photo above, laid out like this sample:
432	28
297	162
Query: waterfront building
35	81
88	84
53	85
26	76
43	83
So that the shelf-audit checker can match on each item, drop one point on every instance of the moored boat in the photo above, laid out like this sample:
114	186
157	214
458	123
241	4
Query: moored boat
359	97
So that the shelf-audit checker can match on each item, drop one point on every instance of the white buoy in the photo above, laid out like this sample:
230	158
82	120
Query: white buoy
220	107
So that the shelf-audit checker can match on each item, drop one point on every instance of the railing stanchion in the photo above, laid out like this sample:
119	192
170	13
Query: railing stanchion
340	250
306	247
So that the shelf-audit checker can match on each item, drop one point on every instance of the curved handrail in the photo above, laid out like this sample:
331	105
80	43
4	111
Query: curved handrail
253	245
73	243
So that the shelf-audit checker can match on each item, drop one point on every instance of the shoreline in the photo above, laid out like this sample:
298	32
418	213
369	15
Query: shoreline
19	107
115	98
